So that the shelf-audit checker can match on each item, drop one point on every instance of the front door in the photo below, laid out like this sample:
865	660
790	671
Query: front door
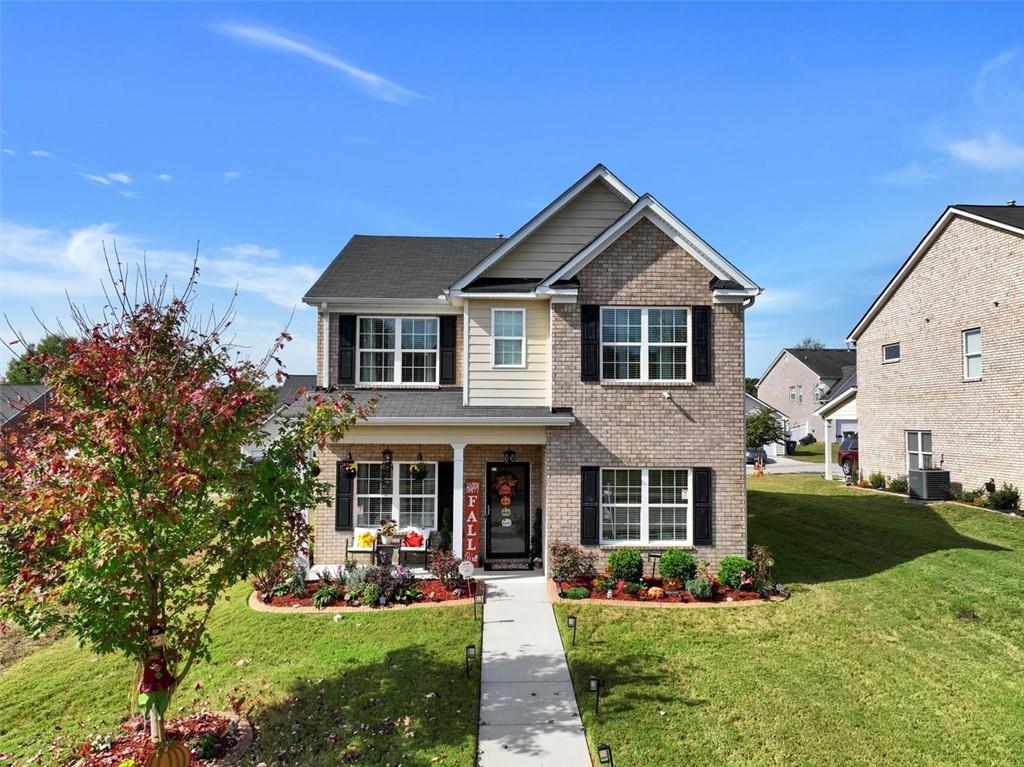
508	510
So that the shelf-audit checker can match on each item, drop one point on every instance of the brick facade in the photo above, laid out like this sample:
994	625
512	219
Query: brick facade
634	425
971	277
774	389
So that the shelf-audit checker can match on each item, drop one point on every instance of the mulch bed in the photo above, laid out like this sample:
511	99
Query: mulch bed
720	593
432	588
135	743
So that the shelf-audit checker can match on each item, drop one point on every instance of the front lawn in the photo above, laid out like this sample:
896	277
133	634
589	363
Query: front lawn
390	685
815	452
902	644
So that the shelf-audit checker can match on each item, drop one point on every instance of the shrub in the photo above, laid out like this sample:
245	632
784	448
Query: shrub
626	564
577	592
445	567
966	496
1006	498
294	586
370	595
730	570
327	594
267	581
677	565
898	484
763	560
570	562
703	569
205	746
699	588
877	480
808	439
632	588
354	578
854	474
384	579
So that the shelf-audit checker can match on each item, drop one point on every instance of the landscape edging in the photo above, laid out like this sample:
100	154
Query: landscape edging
555	599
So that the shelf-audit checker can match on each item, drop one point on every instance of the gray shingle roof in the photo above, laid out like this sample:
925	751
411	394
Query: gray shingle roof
399	267
288	390
431	404
843	386
1011	215
827	363
14	398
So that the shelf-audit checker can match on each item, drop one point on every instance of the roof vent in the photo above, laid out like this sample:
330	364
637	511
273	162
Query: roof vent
499	236
1012	203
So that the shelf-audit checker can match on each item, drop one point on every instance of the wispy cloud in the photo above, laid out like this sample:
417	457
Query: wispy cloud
164	177
232	175
374	85
42	153
9	151
990	66
992	151
108	179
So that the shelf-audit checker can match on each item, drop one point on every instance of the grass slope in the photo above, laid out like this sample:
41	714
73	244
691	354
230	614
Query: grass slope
867	664
815	453
322	685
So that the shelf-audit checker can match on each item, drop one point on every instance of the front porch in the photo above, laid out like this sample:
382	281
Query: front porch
476	491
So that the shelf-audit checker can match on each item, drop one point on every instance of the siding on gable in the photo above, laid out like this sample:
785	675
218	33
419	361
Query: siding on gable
563	235
508	386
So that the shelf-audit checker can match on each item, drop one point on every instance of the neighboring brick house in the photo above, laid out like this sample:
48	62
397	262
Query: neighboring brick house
17	400
798	381
588	369
940	366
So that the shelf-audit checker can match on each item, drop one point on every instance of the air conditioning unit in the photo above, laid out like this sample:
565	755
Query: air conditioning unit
929	484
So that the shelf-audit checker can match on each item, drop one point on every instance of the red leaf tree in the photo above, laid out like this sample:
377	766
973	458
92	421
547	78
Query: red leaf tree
127	507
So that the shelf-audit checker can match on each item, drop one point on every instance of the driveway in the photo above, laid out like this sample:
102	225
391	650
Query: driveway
784	465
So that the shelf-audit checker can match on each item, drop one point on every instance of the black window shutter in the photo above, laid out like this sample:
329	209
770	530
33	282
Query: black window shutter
343	499
346	348
590	338
702	343
703	533
590	504
445	487
447	346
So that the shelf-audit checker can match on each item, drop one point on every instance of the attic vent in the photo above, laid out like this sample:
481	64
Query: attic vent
499	236
1012	203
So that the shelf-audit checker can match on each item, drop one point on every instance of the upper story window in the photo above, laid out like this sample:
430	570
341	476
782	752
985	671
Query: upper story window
508	331
796	393
645	506
890	352
641	344
919	450
398	350
972	354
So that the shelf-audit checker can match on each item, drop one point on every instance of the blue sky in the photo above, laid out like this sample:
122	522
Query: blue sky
813	145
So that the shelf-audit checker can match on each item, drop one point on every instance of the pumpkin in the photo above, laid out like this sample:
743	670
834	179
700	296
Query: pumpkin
655	592
169	755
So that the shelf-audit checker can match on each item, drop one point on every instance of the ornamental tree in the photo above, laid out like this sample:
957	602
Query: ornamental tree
762	428
127	506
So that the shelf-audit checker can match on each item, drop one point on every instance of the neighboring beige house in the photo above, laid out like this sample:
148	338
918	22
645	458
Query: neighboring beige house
839	413
798	381
940	360
588	368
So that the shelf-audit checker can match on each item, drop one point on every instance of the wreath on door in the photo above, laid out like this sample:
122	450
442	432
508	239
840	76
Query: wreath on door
505	486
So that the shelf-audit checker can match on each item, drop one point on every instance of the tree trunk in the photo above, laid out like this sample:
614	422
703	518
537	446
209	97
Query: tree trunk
156	726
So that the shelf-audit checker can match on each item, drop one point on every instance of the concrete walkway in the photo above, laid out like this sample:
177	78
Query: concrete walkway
528	713
784	465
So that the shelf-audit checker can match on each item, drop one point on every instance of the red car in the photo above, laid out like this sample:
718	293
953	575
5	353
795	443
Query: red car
848	453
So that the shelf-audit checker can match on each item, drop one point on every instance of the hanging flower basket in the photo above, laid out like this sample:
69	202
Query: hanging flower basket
351	468
417	471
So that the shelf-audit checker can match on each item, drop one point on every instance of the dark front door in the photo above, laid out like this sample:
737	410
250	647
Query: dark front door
508	510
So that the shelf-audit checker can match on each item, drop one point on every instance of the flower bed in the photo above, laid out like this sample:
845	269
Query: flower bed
720	593
432	590
212	739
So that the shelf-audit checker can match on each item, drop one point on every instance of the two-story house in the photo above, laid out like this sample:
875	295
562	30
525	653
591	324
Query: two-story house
585	373
798	381
940	363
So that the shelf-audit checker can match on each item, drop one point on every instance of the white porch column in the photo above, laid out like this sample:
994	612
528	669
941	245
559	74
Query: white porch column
828	449
457	502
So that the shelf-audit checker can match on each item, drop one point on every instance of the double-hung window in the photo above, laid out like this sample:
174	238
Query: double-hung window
508	328
796	393
919	450
972	354
645	344
398	350
646	506
396	494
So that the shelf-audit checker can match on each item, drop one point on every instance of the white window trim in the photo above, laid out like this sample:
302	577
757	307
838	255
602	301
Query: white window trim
397	351
920	451
889	346
645	508
396	502
495	338
966	356
645	346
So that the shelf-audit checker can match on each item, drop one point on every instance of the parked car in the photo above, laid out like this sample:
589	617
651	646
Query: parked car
848	453
755	454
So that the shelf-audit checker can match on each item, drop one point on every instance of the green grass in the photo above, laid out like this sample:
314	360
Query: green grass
867	663
815	452
320	685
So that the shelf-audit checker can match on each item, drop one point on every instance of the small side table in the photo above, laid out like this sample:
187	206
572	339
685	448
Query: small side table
654	557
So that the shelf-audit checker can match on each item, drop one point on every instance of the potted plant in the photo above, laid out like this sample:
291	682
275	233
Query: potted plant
350	468
389	532
418	470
